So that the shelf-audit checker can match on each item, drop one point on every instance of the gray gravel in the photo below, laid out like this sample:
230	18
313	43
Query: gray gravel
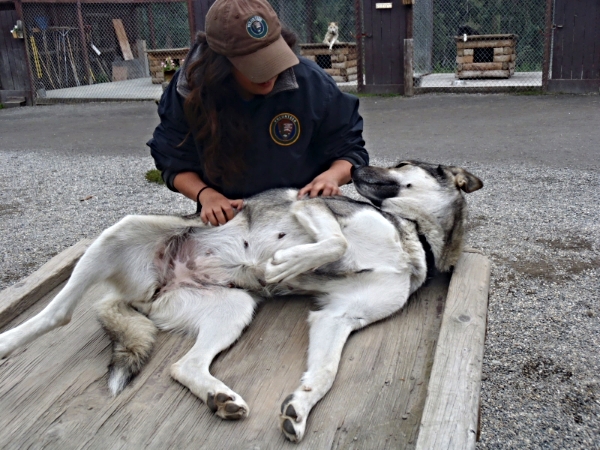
539	225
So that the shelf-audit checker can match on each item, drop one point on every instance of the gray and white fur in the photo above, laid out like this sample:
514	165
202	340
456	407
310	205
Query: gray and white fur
362	260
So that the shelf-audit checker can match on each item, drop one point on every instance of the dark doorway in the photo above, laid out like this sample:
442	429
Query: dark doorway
384	31
575	62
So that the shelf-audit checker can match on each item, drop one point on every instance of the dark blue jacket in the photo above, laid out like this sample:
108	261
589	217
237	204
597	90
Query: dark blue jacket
298	130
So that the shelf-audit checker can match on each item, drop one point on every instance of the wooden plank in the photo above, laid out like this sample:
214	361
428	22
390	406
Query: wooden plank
450	417
591	42
5	73
20	296
559	40
122	37
369	29
484	74
408	68
485	44
574	86
53	393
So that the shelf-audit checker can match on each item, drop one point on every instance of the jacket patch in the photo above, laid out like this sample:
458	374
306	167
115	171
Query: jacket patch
257	27
285	129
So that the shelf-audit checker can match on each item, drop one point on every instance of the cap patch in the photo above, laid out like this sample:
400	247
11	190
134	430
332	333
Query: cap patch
257	27
285	129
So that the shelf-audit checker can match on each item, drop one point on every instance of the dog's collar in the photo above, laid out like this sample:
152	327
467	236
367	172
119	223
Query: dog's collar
429	256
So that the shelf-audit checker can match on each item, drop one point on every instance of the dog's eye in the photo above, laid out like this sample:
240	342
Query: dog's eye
409	185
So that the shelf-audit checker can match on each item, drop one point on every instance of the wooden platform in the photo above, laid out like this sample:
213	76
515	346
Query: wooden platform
411	381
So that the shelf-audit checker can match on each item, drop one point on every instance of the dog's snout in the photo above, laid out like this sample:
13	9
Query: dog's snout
352	169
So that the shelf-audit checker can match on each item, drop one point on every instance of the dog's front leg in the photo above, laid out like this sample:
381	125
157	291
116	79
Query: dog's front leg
327	337
330	243
350	305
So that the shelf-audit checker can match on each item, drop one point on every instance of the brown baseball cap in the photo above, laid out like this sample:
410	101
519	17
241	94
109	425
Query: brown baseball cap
248	32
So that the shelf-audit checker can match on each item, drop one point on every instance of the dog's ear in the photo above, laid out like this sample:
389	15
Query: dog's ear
466	180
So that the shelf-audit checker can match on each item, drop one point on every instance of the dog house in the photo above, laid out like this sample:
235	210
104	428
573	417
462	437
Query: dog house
340	62
157	57
485	56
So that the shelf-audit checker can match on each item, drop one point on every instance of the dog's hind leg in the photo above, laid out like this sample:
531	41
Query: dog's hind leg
132	335
57	313
350	306
218	315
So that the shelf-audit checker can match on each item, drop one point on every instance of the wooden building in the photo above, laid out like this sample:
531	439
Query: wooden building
15	86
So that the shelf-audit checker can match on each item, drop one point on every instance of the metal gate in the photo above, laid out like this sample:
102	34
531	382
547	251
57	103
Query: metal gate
385	28
575	62
14	80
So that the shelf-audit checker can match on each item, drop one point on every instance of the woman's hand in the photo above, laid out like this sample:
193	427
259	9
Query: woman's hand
216	208
328	183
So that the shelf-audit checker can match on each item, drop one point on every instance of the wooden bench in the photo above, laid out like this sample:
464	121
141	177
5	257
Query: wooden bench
411	381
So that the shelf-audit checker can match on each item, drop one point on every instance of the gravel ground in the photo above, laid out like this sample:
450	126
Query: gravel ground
540	226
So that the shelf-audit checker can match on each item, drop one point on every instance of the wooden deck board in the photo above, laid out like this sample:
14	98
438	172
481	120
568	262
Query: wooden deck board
53	392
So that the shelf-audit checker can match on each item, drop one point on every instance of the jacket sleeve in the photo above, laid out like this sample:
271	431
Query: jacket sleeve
172	145
340	132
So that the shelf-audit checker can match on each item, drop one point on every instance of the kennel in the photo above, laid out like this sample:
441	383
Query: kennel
485	56
157	57
340	62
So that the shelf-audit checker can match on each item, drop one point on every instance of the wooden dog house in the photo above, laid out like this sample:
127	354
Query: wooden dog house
486	56
340	62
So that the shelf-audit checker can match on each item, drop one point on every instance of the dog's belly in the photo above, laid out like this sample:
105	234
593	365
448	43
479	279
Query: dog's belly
234	257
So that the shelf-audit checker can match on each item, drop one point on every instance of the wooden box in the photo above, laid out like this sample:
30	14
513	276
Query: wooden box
485	56
340	62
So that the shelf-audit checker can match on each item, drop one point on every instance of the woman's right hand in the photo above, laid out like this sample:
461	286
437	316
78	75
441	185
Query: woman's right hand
216	208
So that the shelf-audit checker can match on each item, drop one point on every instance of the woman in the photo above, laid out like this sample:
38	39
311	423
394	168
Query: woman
245	115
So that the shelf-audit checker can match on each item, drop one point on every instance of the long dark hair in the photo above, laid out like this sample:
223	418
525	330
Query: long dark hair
215	112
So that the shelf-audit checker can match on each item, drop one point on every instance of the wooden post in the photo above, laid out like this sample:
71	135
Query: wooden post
86	60
408	68
151	24
31	100
310	18
359	48
191	21
547	45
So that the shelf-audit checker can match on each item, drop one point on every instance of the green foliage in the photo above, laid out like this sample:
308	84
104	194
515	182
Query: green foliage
154	176
1	106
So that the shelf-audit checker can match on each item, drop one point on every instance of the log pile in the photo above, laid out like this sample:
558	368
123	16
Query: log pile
486	56
340	62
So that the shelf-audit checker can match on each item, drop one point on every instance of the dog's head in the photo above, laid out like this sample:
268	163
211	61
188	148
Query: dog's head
429	194
419	181
333	27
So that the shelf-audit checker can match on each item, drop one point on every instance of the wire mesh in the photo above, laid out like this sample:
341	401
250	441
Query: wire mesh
103	49
121	50
440	25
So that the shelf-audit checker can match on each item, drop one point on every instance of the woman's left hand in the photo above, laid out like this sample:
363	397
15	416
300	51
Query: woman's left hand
323	185
328	183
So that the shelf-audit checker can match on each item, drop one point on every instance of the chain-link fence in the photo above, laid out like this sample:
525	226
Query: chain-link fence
464	43
121	50
102	49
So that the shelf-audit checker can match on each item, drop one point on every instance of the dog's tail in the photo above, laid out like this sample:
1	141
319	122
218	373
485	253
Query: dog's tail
133	336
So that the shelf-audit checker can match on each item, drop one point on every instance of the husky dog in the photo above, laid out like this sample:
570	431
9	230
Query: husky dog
332	35
363	261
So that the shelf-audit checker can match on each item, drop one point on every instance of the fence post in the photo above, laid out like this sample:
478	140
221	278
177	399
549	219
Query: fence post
408	68
31	100
86	60
359	49
547	45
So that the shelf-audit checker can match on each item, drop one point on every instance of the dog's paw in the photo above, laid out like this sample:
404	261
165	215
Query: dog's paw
226	406
284	265
291	422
